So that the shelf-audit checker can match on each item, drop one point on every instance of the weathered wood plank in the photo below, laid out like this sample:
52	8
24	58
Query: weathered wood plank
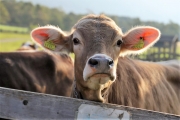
17	104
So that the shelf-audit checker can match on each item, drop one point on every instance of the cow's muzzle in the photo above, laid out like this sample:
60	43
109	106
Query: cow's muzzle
99	73
100	64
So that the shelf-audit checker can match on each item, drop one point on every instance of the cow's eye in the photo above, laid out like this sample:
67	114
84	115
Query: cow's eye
119	42
76	41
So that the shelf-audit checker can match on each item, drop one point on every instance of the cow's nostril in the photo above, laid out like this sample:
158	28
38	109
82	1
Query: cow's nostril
111	62
93	62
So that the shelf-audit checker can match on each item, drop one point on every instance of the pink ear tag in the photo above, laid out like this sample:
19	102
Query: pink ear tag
49	44
139	44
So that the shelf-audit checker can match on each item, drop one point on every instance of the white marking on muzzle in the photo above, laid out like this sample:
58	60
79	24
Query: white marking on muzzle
88	70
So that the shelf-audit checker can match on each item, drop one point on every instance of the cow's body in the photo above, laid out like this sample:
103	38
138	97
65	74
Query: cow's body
102	71
37	71
146	85
172	63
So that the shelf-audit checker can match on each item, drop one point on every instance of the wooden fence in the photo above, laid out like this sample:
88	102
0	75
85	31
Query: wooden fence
164	49
18	104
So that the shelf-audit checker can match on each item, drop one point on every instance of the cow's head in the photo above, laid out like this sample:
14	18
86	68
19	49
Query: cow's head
97	43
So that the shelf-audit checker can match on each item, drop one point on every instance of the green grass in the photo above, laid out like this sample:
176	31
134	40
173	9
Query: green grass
12	41
16	29
5	36
178	49
10	46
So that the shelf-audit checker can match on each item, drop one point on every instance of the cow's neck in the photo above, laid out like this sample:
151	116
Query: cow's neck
75	92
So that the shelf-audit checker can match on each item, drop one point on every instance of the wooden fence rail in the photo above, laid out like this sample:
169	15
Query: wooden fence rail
18	104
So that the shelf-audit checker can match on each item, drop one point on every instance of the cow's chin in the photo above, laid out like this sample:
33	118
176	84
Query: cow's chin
97	85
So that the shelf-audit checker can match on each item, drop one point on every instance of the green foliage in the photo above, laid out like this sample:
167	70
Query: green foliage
127	23
25	14
4	14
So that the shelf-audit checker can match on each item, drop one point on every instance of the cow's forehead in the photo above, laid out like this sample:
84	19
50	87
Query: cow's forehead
95	31
97	24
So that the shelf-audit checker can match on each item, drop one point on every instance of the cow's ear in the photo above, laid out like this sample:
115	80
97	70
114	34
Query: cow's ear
52	38
138	39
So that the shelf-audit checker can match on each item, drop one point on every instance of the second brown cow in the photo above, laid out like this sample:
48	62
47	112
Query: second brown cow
37	72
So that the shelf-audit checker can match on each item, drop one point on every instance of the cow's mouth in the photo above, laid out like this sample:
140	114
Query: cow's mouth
98	85
104	94
98	81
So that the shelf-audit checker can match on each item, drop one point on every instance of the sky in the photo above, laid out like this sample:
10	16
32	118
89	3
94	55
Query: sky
147	10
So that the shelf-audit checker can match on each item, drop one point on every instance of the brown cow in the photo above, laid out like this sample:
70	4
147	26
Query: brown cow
37	72
27	46
102	71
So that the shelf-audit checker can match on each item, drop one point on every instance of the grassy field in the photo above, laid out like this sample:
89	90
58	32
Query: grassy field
5	36
12	41
6	28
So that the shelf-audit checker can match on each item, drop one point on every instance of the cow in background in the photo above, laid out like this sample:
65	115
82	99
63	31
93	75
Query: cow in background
103	73
37	72
28	46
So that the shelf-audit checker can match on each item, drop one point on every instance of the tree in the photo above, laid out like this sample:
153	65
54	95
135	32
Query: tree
25	14
4	14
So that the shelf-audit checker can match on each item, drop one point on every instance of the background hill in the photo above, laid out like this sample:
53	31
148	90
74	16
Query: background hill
26	14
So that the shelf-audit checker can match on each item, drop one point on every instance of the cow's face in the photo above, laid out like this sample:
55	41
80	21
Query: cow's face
97	42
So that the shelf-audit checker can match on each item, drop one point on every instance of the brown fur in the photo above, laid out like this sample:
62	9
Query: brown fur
37	72
146	85
138	84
